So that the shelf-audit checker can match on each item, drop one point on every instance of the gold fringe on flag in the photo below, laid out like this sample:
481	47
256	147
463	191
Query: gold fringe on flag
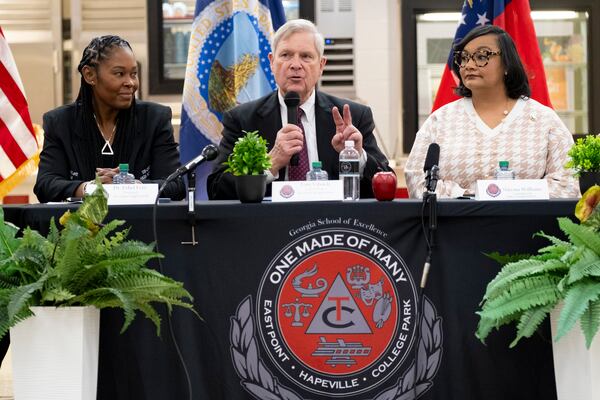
27	168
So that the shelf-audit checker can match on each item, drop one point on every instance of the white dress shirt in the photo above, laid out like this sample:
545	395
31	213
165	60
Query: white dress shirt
310	133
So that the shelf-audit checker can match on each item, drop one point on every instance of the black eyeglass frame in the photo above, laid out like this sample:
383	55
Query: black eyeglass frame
459	57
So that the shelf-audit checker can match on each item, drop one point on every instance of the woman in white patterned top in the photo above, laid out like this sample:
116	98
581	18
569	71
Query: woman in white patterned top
494	120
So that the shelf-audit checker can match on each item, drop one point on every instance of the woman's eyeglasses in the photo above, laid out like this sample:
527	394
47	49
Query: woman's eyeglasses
481	57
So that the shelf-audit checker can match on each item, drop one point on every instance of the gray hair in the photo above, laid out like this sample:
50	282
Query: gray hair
295	26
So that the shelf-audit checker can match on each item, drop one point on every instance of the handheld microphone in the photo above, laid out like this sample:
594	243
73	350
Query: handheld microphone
431	167
292	101
208	153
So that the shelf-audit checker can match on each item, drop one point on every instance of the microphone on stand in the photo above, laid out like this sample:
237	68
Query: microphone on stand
208	153
292	101
431	170
431	167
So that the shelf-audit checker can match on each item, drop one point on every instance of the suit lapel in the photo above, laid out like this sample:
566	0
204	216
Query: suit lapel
269	114
81	144
325	130
270	119
138	141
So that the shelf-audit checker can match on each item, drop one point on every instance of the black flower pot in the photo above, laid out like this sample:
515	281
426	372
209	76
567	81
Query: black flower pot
251	188
588	179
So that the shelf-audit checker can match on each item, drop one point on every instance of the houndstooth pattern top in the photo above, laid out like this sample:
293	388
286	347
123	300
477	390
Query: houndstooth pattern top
532	138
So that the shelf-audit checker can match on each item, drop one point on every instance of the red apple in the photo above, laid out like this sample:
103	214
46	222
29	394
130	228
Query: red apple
384	185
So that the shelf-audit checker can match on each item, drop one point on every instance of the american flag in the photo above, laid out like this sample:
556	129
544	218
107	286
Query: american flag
514	16
19	150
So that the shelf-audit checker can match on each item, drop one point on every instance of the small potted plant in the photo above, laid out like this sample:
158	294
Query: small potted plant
248	162
585	160
51	290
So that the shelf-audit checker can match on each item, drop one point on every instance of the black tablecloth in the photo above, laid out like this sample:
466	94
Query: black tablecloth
231	271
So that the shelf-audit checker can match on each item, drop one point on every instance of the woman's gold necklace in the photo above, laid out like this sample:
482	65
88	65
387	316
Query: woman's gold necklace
107	149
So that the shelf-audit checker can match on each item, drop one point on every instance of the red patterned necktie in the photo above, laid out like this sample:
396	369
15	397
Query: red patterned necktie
298	172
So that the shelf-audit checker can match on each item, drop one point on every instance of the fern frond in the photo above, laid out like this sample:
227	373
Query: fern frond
53	232
590	322
97	242
521	295
88	277
587	265
7	322
150	313
485	325
21	297
577	300
504	259
530	321
580	234
513	271
559	243
8	240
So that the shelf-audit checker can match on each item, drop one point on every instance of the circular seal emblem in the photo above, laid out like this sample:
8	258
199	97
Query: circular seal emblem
337	312
286	191
493	190
215	56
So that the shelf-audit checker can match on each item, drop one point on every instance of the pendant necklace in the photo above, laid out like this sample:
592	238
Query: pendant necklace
107	149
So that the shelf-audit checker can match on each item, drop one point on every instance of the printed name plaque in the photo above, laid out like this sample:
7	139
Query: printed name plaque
512	189
127	194
307	191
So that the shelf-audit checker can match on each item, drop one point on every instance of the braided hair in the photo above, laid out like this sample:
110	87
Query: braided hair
98	50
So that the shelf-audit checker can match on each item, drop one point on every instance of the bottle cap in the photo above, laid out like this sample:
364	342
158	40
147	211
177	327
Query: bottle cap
349	143
317	164
124	167
503	164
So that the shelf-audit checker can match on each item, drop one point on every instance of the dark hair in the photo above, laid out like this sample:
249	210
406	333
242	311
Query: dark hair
99	49
515	79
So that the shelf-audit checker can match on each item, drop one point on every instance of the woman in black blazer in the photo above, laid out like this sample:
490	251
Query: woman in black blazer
104	127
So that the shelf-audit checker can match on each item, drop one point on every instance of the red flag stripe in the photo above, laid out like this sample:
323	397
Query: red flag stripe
15	124
15	96
516	20
11	147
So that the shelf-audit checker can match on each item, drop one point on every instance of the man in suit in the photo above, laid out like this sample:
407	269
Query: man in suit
327	122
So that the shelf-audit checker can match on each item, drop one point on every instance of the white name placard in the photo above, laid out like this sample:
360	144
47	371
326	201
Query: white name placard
512	189
126	194
307	190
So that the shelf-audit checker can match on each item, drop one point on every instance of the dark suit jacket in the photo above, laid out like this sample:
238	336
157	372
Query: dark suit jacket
62	170
264	116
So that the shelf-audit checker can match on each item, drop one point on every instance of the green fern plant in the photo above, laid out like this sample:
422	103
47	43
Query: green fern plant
86	263
527	289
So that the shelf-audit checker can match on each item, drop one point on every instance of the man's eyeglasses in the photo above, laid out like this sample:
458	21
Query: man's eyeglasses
481	57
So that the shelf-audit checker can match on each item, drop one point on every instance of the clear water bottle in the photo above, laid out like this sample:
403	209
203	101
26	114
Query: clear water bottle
123	176
316	173
503	172
349	173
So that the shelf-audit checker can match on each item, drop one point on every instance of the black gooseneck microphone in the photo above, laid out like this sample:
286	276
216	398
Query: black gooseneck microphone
292	101
431	168
208	153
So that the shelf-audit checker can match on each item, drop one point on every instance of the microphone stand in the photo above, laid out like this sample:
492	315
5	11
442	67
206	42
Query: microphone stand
430	201
191	176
